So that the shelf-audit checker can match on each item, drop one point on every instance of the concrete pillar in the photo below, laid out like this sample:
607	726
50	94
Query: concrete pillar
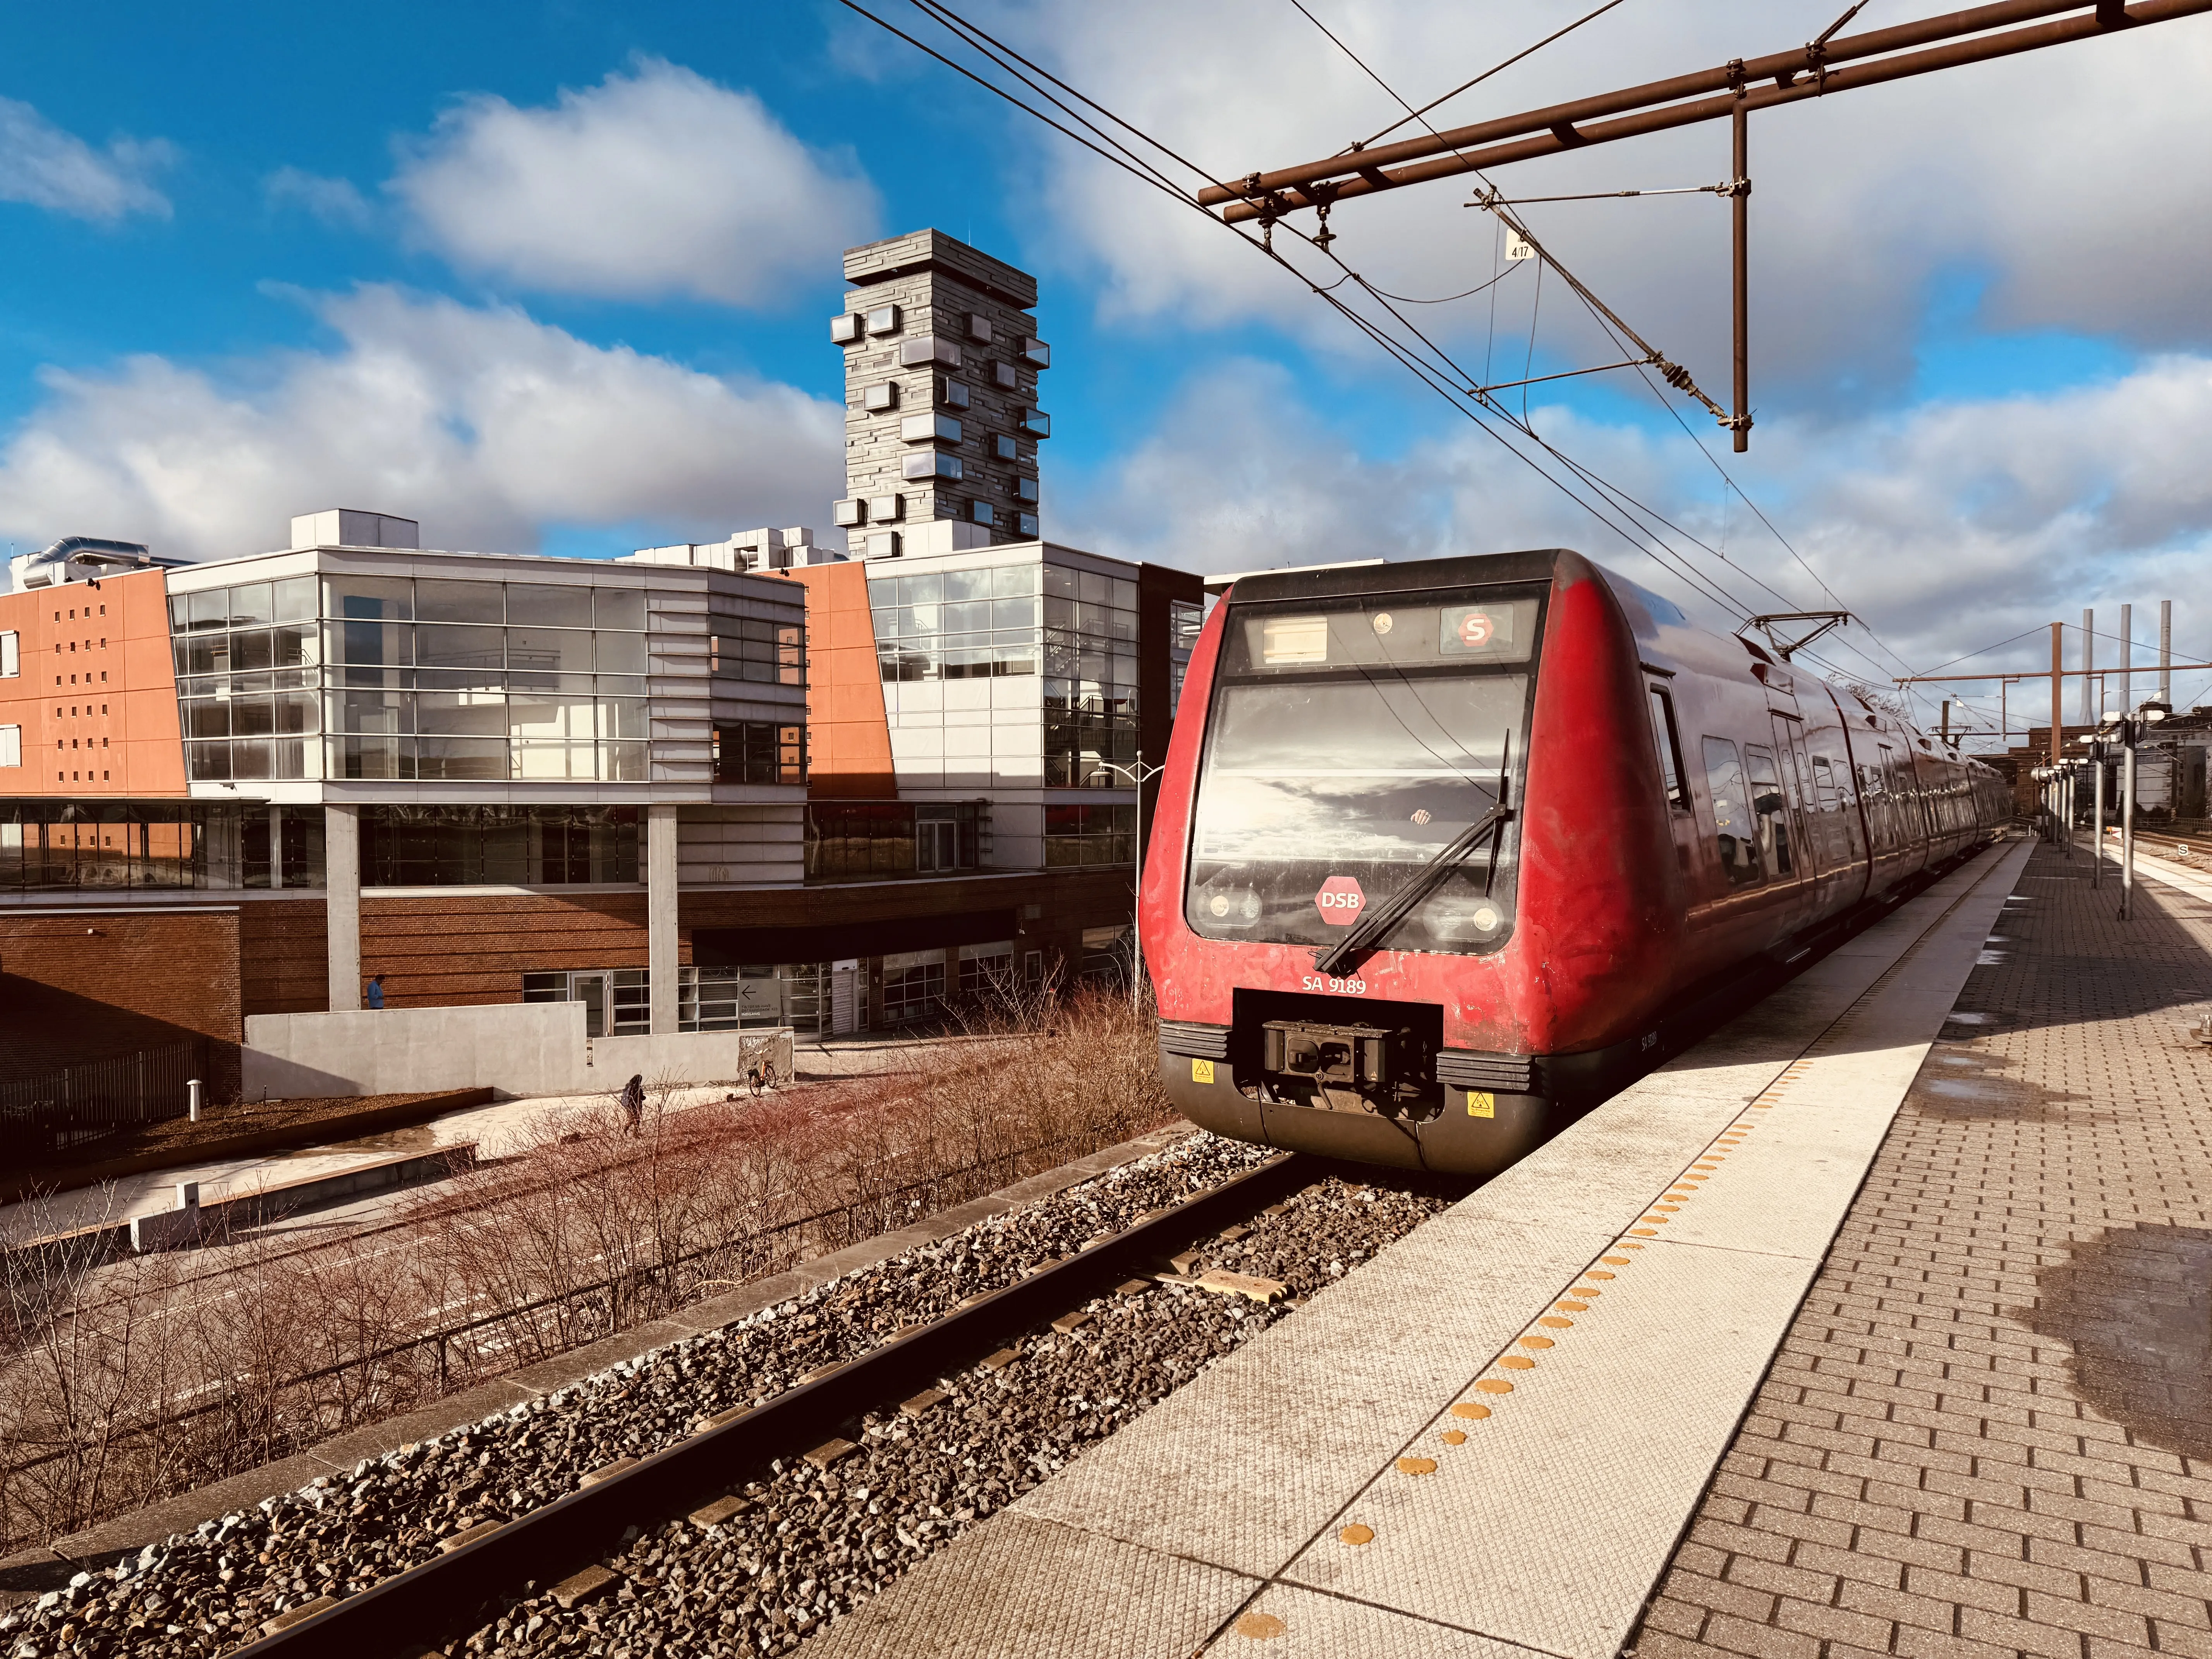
342	904
276	848
660	945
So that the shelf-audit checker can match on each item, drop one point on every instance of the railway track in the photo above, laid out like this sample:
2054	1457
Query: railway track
2187	848
744	1532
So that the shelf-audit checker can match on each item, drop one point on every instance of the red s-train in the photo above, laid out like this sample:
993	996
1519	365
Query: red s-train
1446	852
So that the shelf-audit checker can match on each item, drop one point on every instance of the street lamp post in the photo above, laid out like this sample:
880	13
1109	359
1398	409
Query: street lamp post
2129	728
2097	820
1138	775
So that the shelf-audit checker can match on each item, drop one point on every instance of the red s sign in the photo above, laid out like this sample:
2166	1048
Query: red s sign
1339	901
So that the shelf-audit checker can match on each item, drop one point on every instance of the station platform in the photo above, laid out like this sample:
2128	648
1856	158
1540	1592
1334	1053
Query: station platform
1682	1380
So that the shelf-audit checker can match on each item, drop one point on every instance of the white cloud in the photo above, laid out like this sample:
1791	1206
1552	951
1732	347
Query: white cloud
483	424
336	201
653	183
47	168
2031	170
1949	527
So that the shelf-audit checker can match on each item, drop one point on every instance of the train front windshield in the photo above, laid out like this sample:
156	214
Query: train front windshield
1349	743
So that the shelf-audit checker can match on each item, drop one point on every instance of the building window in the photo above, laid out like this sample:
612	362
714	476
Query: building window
760	751
618	1001
421	845
931	463
754	648
914	353
54	845
874	839
1076	836
390	677
961	624
1090	713
987	970
912	990
1185	618
281	847
1106	956
11	658
11	745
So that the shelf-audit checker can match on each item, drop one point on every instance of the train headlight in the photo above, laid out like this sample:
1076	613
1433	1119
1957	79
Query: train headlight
1237	907
1480	919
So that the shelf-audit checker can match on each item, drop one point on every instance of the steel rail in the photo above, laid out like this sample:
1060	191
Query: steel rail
437	1597
1797	75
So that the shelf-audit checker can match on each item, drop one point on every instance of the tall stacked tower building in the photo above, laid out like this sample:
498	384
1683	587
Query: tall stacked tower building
941	417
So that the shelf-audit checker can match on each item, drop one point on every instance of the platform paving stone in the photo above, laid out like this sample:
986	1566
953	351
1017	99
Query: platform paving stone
1989	1431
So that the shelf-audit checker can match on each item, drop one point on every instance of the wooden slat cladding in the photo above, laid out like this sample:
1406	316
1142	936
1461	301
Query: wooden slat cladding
476	948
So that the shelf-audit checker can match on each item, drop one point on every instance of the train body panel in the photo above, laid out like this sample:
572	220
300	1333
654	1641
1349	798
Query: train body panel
1679	808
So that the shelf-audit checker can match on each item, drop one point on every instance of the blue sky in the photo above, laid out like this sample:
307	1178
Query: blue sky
259	257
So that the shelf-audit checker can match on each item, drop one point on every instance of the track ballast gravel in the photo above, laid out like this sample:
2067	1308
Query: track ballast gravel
815	1541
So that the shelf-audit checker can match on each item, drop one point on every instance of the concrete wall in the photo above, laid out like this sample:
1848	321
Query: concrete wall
515	1049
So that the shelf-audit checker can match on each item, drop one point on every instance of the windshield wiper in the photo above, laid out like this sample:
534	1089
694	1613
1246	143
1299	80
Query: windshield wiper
1378	923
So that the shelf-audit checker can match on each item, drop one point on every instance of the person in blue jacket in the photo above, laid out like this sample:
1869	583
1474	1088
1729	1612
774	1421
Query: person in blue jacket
375	996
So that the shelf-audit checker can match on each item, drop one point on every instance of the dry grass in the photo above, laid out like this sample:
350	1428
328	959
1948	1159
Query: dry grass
125	1381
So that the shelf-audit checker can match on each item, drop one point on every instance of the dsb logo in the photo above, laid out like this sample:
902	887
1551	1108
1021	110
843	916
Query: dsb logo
1339	901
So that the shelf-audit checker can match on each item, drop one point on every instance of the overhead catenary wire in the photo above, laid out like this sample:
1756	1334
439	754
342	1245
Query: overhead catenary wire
1451	381
1490	198
1465	86
1431	364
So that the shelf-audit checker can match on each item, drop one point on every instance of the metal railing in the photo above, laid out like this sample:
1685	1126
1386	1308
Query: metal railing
79	1102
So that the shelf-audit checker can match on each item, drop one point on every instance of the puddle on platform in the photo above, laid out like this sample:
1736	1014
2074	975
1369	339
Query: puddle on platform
1971	1087
2135	1304
1992	958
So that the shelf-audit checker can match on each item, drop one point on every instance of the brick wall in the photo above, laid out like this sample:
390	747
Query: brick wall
76	986
283	957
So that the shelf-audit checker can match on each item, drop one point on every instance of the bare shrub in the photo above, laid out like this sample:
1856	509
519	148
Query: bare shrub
124	1379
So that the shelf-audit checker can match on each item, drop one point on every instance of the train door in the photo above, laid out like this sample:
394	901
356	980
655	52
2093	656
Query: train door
1675	778
1780	847
1821	867
1843	830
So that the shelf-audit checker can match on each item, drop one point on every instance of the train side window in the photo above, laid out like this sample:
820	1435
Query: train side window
1824	785
1670	743
1768	809
1734	831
